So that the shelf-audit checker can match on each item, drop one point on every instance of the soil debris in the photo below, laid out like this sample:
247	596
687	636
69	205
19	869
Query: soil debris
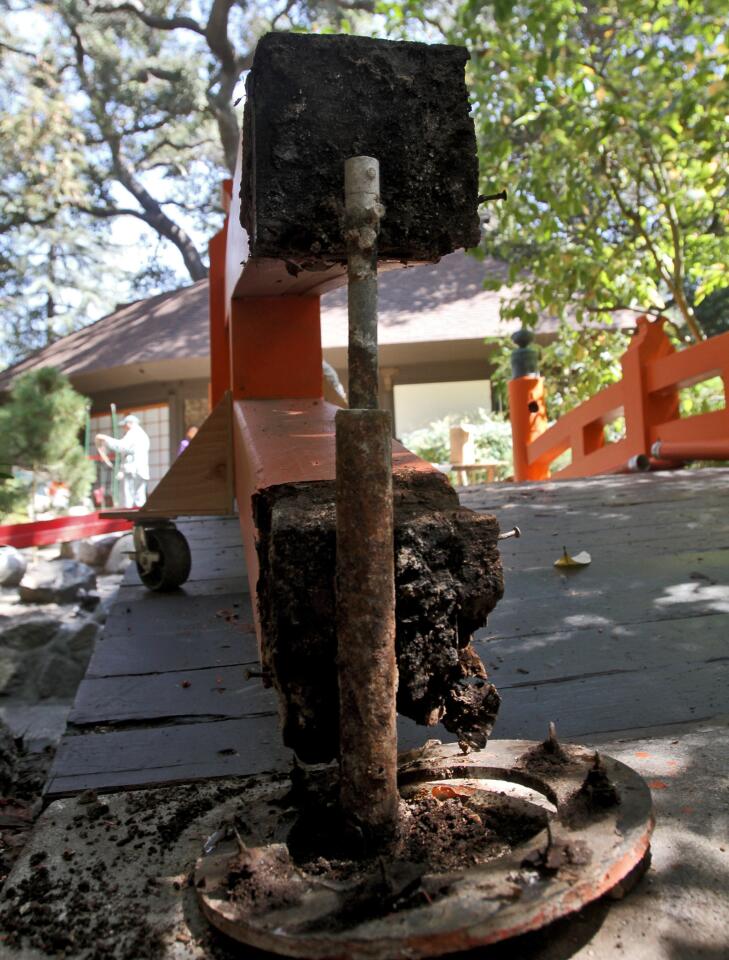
442	830
448	578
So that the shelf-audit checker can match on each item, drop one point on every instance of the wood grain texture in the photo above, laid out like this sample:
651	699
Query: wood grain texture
200	481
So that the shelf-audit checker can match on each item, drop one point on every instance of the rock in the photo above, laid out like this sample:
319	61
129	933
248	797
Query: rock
59	677
94	551
13	565
76	640
448	578
120	556
57	581
8	758
29	632
12	672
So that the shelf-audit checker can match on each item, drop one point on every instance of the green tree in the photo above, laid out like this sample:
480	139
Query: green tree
40	427
120	110
606	123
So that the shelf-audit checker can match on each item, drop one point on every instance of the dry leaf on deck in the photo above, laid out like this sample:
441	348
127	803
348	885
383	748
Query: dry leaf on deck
581	559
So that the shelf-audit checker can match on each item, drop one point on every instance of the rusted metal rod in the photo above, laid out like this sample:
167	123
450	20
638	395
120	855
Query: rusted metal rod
363	212
366	664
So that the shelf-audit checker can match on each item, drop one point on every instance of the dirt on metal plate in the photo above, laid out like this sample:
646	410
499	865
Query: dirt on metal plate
472	864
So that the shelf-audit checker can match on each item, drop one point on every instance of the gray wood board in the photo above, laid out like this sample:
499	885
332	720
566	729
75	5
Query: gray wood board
186	650
572	653
605	490
211	692
156	613
167	754
591	704
132	589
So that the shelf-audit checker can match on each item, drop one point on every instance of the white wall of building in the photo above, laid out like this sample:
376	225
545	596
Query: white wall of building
418	404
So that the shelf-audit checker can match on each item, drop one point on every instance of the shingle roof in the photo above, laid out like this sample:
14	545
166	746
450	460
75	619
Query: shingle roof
436	302
160	328
439	301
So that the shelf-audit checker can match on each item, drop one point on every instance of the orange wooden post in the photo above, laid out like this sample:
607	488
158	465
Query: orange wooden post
528	414
275	348
527	407
644	409
219	339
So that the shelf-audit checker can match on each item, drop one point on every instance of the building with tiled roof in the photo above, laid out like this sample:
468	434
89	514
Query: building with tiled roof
153	355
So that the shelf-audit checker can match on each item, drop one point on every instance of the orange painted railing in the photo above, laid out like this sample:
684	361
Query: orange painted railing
40	533
647	396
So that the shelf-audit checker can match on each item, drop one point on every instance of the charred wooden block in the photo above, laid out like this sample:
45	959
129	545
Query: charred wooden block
314	101
448	578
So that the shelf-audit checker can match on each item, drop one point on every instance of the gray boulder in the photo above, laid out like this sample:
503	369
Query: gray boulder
57	581
13	565
120	556
94	552
76	640
8	758
28	633
59	677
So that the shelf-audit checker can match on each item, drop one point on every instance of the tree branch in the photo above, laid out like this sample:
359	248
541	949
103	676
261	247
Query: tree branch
154	215
157	23
12	49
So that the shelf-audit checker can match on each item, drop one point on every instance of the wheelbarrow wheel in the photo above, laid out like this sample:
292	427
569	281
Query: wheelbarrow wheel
172	568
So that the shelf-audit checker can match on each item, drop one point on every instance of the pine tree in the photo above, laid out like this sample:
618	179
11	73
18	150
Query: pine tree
40	428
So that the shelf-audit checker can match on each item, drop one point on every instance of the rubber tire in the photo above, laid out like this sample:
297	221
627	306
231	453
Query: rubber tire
173	567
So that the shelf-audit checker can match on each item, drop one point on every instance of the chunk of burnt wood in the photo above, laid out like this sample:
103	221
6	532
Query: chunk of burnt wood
448	578
314	101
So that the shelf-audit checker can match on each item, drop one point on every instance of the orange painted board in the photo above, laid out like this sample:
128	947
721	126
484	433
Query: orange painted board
702	426
275	347
691	365
292	441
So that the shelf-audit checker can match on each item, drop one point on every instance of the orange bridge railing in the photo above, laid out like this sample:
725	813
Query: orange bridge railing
647	397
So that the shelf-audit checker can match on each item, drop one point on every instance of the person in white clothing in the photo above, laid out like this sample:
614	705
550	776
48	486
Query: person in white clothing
134	450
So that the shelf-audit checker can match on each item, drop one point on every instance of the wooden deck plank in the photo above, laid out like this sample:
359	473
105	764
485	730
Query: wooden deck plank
160	613
184	650
213	692
583	651
609	703
167	754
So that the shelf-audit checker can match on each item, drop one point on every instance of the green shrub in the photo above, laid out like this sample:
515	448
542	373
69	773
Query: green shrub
492	440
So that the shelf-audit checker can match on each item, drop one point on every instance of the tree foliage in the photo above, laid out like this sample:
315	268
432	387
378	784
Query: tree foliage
40	427
606	123
113	111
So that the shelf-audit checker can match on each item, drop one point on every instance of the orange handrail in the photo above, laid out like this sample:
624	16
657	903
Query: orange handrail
647	396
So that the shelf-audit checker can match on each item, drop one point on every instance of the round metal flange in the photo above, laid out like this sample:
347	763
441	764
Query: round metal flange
588	829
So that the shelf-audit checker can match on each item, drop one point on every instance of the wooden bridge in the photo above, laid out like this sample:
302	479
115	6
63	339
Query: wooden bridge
635	641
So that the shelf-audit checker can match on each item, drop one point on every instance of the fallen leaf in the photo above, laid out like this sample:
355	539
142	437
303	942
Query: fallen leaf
186	683
581	559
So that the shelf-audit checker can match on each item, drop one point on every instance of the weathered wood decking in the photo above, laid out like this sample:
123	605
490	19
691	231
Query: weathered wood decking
636	640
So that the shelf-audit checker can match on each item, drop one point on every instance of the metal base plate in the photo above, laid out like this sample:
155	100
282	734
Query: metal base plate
593	825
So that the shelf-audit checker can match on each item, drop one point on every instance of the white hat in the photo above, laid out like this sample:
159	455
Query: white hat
131	419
